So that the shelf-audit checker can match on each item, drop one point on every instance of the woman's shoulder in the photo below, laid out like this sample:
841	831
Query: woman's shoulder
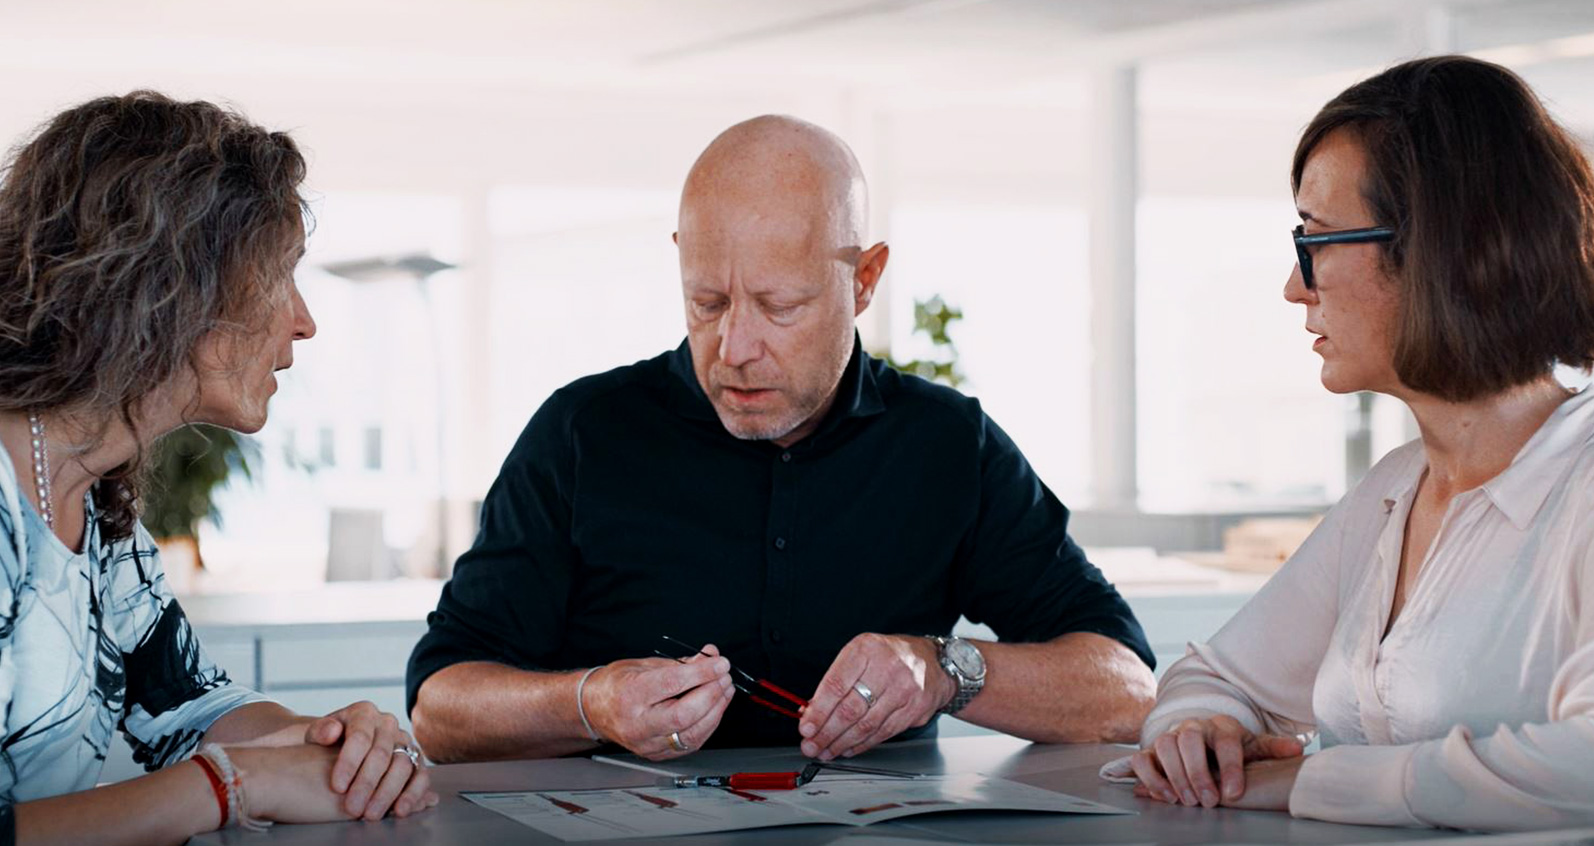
1391	475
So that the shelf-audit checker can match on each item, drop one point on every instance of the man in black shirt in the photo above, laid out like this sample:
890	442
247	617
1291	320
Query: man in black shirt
772	492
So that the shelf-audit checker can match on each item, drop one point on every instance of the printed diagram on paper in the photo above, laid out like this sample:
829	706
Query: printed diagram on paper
576	815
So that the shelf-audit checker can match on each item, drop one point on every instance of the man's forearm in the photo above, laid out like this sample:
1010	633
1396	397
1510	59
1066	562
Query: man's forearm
1080	687
482	711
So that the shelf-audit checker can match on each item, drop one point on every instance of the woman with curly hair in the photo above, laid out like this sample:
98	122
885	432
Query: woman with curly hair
147	249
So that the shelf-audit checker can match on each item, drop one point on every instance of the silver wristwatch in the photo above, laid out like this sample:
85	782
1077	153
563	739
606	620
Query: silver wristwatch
961	660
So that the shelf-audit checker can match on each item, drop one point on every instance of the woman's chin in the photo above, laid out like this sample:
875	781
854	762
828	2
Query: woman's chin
1338	384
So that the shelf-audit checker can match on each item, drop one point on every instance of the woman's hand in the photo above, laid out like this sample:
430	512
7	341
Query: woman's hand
370	771
1268	784
292	784
1178	766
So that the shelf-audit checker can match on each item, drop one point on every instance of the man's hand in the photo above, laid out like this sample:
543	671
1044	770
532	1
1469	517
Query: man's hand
905	681
639	703
370	772
1178	766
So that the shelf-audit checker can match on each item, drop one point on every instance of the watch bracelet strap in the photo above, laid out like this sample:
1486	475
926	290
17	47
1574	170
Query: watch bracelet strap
963	697
965	692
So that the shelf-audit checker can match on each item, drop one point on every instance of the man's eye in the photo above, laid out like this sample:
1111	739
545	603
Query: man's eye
709	308
781	311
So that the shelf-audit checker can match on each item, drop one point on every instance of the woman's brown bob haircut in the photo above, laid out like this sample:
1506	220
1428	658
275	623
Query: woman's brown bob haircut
130	227
1492	204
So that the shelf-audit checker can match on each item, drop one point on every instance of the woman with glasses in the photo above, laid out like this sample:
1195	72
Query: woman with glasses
1437	630
147	250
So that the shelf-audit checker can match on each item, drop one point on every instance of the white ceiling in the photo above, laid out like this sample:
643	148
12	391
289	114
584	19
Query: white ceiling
453	94
890	45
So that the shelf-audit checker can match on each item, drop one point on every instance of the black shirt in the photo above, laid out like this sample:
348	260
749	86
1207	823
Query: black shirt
626	511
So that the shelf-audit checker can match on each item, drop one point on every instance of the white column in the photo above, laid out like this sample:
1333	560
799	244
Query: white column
867	131
471	467
1438	30
1113	190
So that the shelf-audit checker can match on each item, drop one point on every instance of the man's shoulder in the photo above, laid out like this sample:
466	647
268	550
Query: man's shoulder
915	395
623	390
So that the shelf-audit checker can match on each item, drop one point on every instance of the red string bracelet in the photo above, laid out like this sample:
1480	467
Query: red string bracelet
216	785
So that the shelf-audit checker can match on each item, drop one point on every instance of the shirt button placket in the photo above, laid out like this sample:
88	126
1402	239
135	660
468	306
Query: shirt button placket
778	565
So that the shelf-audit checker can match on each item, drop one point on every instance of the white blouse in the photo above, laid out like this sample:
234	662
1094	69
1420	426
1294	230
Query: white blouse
1477	710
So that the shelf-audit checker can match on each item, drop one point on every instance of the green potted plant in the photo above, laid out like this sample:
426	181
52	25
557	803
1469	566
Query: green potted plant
933	317
184	472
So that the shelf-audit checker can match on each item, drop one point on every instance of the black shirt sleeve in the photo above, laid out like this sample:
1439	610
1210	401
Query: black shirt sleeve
8	825
507	598
1020	573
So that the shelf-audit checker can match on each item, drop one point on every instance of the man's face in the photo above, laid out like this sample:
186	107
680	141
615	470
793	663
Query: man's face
769	317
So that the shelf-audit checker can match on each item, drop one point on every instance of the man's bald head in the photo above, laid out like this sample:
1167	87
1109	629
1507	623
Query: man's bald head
785	172
774	273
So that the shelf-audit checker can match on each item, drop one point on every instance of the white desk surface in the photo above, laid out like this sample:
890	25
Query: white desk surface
397	601
1067	768
1137	572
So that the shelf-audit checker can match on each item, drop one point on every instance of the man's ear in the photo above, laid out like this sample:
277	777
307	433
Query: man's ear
871	266
675	238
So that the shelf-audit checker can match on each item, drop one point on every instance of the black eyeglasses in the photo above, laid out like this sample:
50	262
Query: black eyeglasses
1370	235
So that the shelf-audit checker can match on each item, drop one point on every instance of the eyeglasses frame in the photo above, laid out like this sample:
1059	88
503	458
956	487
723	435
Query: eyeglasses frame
1368	235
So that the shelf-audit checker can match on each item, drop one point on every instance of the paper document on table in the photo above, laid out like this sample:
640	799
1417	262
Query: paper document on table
578	815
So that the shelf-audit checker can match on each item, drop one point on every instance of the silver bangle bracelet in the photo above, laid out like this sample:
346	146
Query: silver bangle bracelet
581	707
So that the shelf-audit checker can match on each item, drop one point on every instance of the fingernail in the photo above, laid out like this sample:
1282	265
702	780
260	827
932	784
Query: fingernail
1208	798
1231	790
826	755
808	749
722	665
806	729
1189	799
402	808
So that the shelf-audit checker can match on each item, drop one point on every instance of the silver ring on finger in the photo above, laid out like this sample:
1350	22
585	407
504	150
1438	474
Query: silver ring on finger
864	691
411	753
677	743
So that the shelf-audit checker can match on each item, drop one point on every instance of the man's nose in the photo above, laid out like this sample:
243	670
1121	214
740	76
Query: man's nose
740	339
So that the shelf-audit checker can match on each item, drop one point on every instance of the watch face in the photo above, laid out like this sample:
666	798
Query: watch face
966	657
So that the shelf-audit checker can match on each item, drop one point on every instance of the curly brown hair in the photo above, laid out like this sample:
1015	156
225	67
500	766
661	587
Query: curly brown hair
130	227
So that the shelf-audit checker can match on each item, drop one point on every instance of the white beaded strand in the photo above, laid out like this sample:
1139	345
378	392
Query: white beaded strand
41	470
237	799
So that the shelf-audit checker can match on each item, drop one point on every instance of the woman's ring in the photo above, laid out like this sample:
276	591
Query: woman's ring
409	752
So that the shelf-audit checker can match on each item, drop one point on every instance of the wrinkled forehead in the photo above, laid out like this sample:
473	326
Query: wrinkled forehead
758	234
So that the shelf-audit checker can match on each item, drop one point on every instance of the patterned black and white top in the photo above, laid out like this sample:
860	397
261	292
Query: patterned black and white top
90	643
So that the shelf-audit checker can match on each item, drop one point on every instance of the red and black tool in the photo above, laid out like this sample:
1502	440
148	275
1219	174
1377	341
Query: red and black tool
746	781
747	684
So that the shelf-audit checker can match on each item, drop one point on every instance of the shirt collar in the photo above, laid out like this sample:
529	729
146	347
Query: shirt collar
1544	460
858	395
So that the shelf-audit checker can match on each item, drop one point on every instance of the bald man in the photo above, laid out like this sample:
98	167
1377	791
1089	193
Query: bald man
768	495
